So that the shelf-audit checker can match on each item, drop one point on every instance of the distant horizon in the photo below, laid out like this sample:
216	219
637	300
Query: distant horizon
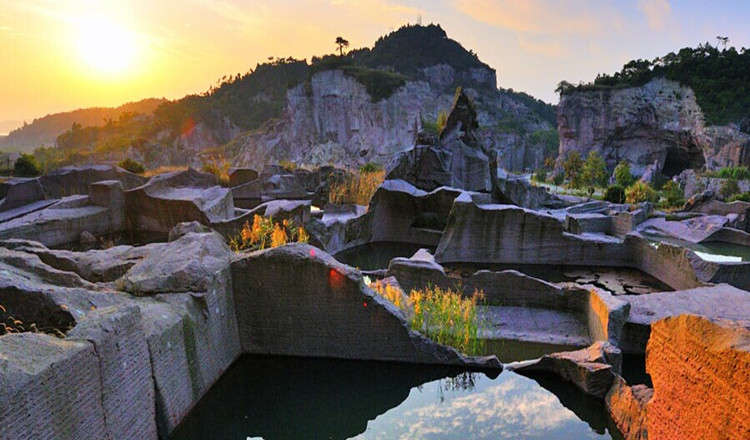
117	52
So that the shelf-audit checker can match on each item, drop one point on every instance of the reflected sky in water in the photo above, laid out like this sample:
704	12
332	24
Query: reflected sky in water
296	398
511	406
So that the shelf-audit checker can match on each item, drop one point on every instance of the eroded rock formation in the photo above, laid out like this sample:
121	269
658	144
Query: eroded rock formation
659	122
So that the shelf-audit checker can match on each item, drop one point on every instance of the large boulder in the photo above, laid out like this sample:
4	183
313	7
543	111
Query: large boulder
591	369
20	191
184	265
181	196
297	300
76	180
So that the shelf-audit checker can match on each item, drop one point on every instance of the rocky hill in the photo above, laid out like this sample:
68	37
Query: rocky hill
366	106
663	115
43	131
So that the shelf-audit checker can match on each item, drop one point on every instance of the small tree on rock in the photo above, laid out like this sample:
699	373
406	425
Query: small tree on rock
342	43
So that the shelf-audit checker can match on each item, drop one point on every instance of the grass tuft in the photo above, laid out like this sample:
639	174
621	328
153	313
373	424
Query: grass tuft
265	233
443	315
357	188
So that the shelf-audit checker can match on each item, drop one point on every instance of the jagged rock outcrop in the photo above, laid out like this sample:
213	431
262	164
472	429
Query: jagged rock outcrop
659	122
458	160
334	120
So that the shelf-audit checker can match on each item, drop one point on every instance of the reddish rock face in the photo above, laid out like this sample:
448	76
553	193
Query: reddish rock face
700	370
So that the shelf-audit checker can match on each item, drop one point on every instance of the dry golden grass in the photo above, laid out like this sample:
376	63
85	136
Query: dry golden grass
358	188
264	233
219	167
164	170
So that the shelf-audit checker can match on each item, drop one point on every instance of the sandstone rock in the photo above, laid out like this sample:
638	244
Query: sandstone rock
20	191
238	176
86	238
127	386
627	406
76	180
513	235
325	310
700	369
591	369
185	228
55	227
713	302
172	198
516	190
659	122
38	374
184	265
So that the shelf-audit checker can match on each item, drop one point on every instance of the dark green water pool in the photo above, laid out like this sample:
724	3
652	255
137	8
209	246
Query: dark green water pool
295	398
378	255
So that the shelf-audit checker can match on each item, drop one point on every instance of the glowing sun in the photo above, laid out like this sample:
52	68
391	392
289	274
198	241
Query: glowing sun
106	46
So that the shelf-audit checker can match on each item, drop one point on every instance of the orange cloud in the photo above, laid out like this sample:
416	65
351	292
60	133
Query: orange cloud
535	16
657	12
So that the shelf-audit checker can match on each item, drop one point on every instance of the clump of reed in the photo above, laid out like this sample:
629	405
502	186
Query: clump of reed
443	315
265	233
357	187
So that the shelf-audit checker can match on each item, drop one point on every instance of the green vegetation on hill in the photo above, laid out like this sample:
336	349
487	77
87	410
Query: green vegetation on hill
720	79
414	47
44	131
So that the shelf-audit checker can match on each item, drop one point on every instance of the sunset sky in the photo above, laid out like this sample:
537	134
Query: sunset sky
58	55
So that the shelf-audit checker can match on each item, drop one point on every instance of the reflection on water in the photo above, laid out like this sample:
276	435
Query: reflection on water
715	251
294	398
374	256
512	350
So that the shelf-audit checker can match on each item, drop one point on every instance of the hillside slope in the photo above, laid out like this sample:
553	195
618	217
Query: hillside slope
365	106
44	130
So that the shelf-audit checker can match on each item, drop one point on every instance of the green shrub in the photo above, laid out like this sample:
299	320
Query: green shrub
729	188
573	167
370	168
673	194
26	166
641	192
615	194
737	173
131	165
744	197
623	176
594	170
540	175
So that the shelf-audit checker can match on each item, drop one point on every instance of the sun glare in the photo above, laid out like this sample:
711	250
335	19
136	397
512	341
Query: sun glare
106	47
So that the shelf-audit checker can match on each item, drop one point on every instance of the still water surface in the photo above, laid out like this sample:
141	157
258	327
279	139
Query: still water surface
295	398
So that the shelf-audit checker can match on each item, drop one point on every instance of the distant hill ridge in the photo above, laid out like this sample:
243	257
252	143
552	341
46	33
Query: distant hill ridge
44	130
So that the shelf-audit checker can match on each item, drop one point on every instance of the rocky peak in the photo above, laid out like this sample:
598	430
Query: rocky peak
462	119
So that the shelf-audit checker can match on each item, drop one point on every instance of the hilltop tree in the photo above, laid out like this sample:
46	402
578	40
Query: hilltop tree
342	43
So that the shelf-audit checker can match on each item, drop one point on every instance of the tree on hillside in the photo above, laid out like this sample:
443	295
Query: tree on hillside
342	43
572	167
595	170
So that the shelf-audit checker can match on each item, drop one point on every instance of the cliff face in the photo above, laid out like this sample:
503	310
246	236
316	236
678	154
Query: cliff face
333	120
658	123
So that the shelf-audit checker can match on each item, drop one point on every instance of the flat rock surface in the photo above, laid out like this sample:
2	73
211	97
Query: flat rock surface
25	209
721	301
534	325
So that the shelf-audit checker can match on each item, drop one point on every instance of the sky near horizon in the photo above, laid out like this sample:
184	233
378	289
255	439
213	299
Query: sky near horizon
59	55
